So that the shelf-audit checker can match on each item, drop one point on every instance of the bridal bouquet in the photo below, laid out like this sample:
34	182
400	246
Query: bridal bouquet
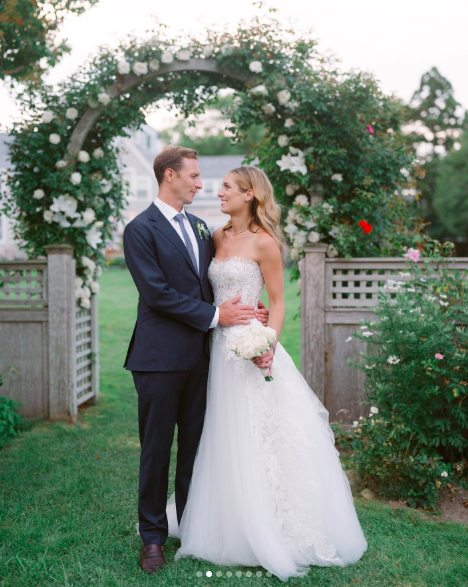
254	342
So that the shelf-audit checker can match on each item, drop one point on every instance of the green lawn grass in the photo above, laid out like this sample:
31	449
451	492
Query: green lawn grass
68	495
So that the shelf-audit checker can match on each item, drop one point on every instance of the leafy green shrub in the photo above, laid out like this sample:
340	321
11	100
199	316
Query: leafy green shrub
416	365
116	263
10	420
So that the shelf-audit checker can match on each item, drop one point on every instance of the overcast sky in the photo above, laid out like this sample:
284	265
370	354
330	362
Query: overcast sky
397	40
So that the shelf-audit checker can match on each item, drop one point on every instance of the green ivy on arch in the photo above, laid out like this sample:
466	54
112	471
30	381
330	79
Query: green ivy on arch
333	147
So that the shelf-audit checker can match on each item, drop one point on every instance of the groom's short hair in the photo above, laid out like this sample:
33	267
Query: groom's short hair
171	157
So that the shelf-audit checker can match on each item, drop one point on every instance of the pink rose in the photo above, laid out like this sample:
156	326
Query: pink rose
370	129
412	255
439	356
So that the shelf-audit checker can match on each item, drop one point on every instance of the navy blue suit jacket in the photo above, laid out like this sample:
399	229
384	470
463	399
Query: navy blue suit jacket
175	306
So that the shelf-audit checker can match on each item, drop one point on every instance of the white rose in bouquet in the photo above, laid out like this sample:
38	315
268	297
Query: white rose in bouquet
254	342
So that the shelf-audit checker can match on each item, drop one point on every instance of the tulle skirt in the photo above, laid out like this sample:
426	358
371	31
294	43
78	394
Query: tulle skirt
268	488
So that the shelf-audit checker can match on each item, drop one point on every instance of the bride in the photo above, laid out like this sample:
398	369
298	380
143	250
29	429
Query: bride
268	488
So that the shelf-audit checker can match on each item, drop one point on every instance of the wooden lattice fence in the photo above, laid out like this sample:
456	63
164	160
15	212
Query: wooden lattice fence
336	294
51	342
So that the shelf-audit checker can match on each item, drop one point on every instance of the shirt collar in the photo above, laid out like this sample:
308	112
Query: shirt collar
168	211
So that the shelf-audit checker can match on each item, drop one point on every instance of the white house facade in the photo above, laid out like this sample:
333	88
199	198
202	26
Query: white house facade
136	157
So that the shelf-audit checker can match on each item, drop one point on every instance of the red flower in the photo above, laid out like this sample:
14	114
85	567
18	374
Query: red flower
366	227
370	129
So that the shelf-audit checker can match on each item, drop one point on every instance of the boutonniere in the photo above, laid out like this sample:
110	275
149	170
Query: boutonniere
203	232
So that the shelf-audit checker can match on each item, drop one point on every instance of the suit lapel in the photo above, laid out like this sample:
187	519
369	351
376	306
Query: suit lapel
165	227
201	244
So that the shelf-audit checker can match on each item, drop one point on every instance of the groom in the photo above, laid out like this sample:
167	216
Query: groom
168	251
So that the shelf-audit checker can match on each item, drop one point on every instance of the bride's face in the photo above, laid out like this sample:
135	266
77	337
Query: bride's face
233	200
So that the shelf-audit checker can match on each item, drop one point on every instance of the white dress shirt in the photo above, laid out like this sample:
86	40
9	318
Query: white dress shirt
170	213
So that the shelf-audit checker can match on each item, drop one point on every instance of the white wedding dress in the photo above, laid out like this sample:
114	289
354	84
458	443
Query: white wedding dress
268	488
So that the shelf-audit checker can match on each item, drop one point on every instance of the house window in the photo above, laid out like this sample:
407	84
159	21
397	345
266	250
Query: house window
209	188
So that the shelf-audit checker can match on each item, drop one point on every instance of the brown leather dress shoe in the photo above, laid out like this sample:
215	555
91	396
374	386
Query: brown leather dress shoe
152	558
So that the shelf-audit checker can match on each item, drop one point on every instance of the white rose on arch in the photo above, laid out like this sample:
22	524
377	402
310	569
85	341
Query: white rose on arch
294	254
153	41
300	239
98	153
288	123
291	189
38	194
54	139
337	177
93	237
48	216
327	208
61	164
290	229
283	97
314	237
301	200
140	68
71	113
95	287
89	216
47	116
283	140
259	90
167	57
83	156
153	65
104	98
292	105
268	109
208	51
184	55
331	251
123	67
88	263
75	178
256	67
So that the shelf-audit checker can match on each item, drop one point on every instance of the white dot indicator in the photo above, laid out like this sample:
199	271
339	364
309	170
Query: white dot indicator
219	574
248	574
259	573
239	574
228	574
268	574
199	574
208	573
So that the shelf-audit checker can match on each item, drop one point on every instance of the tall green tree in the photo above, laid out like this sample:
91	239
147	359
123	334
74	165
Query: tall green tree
28	31
435	122
451	191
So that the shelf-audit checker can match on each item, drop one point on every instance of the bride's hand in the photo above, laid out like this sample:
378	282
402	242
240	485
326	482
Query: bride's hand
265	361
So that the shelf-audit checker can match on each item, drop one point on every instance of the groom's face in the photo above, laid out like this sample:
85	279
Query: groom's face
187	181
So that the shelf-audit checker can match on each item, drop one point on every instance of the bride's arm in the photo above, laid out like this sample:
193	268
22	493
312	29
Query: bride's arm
269	258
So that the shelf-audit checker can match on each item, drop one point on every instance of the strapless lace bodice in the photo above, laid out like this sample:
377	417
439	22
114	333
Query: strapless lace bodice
233	277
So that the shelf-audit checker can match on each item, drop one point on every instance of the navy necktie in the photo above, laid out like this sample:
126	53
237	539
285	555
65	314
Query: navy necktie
188	243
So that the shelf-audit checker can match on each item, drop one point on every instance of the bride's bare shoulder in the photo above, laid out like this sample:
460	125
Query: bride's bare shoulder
266	246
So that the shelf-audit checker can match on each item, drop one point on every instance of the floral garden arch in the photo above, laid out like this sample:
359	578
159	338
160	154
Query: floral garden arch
326	132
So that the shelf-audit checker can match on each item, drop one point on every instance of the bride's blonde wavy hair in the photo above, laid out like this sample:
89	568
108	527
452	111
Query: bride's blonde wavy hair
266	212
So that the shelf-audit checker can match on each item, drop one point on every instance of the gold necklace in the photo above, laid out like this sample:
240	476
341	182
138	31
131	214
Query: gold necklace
234	233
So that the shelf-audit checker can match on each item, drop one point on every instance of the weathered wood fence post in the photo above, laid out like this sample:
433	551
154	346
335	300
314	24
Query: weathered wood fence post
62	337
313	318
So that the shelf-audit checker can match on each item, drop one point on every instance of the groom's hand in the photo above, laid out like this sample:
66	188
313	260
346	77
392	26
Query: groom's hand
263	313
231	314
